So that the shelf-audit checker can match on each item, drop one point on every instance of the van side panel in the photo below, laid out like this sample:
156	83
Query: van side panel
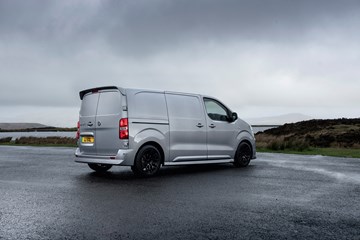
221	139
148	119
147	105
187	128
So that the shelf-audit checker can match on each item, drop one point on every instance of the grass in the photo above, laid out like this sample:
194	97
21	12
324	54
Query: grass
333	152
40	142
44	129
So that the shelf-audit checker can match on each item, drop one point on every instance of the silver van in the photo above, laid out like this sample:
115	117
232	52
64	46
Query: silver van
145	129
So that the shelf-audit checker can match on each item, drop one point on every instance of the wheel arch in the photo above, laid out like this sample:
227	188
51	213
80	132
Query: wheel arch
154	144
249	143
151	136
245	136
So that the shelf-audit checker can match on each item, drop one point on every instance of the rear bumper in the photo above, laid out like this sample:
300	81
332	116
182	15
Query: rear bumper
121	158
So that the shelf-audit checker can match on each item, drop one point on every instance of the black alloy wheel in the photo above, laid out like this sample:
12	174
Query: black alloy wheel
243	155
148	161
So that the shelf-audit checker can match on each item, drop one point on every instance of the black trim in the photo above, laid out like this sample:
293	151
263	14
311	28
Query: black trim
150	123
82	93
228	112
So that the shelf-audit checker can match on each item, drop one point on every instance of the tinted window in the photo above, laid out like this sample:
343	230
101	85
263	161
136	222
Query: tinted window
215	110
181	106
89	105
109	103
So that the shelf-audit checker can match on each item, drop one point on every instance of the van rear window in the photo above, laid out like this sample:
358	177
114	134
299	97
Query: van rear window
109	103
89	105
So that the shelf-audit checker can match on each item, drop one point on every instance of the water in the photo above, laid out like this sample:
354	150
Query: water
37	134
262	128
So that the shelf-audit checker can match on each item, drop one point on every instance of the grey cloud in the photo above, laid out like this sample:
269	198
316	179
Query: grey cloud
165	25
144	27
270	54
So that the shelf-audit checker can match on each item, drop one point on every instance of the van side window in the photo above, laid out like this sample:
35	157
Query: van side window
215	110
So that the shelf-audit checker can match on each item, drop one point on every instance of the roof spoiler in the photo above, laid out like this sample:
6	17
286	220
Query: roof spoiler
82	93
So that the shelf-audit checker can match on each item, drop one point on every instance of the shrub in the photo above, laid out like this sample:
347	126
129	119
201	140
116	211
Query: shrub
5	140
45	141
324	140
276	145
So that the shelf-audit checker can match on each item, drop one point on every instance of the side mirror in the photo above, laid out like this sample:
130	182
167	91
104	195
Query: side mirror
234	116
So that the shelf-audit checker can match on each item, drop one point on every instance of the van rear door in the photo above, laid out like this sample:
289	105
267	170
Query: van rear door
87	121
107	123
100	113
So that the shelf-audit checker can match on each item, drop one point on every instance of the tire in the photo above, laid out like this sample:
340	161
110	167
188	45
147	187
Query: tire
147	162
243	155
99	167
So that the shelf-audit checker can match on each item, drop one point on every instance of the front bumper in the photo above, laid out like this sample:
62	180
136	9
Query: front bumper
123	157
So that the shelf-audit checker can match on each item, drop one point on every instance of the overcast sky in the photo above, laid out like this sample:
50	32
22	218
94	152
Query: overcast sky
262	58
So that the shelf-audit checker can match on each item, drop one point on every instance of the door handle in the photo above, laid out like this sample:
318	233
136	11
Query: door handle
212	126
90	124
199	125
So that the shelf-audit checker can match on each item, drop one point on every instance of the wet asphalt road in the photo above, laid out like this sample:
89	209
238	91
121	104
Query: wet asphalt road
45	195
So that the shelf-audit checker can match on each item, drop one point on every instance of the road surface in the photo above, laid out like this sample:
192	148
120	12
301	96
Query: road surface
44	194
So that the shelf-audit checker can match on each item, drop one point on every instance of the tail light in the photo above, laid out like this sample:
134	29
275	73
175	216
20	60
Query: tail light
124	128
78	130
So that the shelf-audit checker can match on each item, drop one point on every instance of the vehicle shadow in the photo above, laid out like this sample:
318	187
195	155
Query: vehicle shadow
125	173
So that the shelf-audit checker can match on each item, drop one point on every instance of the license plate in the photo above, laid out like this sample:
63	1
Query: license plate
87	139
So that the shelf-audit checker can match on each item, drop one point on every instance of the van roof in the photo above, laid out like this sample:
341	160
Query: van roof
86	91
123	91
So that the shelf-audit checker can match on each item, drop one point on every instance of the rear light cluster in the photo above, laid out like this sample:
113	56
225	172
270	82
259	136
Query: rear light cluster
78	130
124	128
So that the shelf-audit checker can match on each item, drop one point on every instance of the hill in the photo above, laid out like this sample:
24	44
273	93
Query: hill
339	133
278	120
17	126
31	127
